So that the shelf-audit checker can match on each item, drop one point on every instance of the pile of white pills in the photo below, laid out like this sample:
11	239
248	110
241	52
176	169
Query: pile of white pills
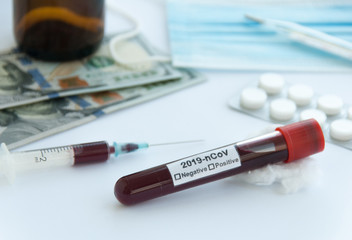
271	98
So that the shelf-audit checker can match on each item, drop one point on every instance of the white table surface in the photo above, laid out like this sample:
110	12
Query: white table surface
78	202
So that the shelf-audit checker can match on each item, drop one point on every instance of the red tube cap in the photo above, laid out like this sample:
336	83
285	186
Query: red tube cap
303	139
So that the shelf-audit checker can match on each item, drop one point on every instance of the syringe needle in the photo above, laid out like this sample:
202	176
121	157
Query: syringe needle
123	148
180	142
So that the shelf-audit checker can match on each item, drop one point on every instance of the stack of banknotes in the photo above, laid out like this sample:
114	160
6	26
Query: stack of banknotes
38	99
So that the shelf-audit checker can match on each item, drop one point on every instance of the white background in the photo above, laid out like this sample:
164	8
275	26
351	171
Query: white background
78	202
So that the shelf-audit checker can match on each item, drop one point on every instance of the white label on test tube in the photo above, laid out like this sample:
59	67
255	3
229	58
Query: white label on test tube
204	164
44	158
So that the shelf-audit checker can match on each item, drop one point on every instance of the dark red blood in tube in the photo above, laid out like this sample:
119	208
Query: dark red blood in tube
91	152
288	143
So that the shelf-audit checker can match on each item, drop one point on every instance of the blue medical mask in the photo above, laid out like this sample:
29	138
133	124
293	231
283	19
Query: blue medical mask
217	35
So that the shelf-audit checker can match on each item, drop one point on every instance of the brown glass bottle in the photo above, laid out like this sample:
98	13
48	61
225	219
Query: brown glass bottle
58	30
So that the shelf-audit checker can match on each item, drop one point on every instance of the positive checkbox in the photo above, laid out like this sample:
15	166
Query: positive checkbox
211	166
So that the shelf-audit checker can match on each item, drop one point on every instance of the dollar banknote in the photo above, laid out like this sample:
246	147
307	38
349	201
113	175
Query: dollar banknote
24	80
24	124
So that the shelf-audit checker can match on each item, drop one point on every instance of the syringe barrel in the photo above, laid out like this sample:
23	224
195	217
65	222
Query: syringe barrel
12	163
222	162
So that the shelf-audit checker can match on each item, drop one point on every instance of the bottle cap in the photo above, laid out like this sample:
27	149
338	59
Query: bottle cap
303	139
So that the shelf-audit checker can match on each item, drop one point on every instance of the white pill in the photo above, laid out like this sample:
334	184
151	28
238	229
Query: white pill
272	83
282	109
317	114
330	104
253	98
341	129
301	94
350	113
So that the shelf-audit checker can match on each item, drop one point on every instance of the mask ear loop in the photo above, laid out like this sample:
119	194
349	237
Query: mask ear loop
124	36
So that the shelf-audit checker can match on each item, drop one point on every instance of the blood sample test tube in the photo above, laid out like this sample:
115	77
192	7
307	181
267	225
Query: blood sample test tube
286	144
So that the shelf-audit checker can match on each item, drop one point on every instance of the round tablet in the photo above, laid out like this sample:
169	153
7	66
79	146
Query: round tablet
317	114
330	104
350	113
272	83
301	94
341	130
282	109
253	98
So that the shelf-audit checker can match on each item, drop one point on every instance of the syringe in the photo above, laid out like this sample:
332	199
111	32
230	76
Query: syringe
15	162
